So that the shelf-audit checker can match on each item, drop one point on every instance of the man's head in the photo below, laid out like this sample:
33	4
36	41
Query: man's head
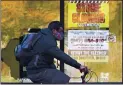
57	29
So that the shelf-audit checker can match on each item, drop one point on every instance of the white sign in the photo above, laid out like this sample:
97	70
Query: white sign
88	40
94	53
104	77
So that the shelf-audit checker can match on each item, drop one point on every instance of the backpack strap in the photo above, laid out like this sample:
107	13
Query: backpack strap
36	38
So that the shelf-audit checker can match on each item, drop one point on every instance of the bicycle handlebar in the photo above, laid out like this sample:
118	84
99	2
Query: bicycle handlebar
83	77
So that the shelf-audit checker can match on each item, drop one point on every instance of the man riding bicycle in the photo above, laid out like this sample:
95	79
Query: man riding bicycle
42	69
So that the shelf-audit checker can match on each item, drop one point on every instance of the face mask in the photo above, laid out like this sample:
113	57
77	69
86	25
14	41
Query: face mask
59	35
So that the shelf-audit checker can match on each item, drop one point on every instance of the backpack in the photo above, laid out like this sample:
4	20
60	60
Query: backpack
24	51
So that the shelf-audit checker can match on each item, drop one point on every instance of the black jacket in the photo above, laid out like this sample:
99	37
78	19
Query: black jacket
47	47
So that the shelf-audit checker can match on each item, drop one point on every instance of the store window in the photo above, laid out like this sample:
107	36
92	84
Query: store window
93	36
17	17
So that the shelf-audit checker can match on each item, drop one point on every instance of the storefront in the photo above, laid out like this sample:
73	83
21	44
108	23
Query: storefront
92	30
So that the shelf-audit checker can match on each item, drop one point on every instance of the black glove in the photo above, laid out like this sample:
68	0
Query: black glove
83	69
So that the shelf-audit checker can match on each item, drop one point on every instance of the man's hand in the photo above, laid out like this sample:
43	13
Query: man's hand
83	69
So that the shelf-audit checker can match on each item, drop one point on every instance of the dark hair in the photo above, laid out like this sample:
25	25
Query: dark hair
55	25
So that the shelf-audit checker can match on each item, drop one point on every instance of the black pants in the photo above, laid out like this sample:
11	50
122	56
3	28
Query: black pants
50	76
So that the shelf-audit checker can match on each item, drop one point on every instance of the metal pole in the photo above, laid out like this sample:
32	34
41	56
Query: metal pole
62	21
